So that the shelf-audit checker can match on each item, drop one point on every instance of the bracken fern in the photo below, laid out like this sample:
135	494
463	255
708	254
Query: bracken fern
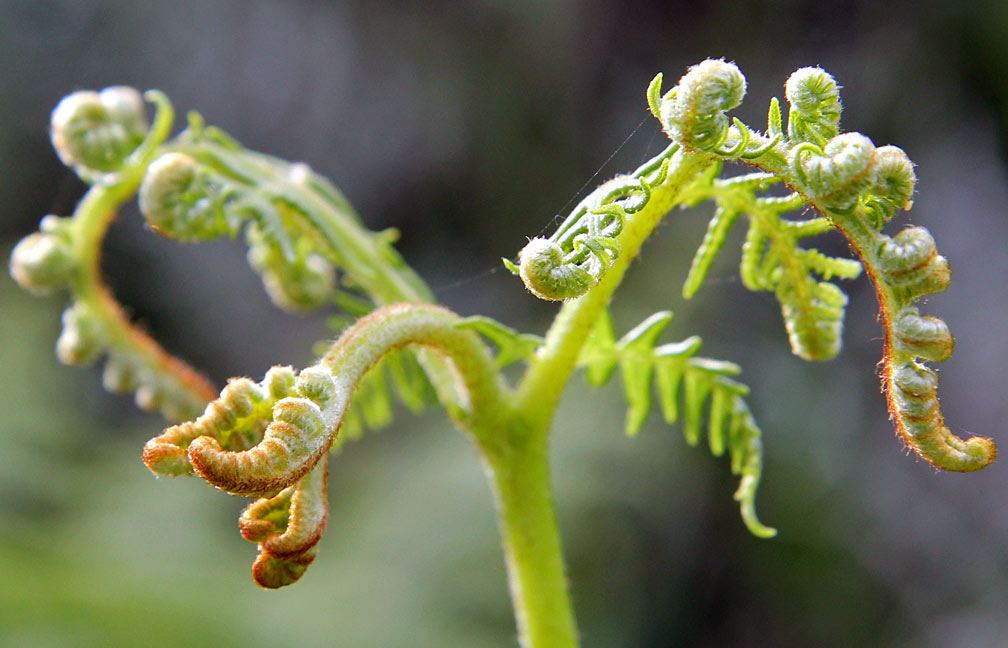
271	439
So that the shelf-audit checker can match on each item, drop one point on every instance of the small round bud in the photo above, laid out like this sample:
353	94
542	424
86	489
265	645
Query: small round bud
915	379
316	384
695	113
301	413
179	199
924	336
42	263
240	395
815	105
542	269
838	177
94	132
279	381
893	185
272	572
80	342
908	250
165	459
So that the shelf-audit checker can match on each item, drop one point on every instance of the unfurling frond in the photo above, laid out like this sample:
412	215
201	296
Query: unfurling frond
858	187
581	251
773	260
270	440
702	385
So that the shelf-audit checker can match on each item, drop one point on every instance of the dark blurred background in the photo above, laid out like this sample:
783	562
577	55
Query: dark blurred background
468	127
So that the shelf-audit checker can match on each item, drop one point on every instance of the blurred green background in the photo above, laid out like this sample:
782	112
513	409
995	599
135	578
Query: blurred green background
469	126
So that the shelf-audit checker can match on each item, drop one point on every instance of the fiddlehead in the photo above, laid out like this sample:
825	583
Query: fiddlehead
95	132
270	440
104	137
287	528
858	187
200	185
678	373
583	248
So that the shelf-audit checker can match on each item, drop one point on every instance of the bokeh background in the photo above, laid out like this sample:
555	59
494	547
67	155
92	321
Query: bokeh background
469	126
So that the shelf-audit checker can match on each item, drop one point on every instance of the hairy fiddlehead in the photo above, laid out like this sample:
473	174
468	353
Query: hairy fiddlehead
583	248
105	138
197	186
270	440
858	188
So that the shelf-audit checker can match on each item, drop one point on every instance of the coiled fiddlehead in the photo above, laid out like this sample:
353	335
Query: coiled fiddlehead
270	440
287	528
677	372
197	186
583	248
104	137
858	187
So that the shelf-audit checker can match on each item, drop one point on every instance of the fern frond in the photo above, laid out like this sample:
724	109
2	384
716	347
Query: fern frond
858	187
703	385
773	260
581	251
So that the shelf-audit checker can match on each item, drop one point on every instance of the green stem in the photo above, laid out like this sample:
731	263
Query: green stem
540	389
521	485
519	469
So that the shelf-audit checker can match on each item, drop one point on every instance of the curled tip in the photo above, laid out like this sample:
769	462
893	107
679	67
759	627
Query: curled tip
178	200
745	496
911	262
279	381
544	272
165	459
299	286
893	183
80	341
836	176
316	383
980	452
695	113
815	105
42	262
912	390
291	445
266	517
288	528
95	132
272	572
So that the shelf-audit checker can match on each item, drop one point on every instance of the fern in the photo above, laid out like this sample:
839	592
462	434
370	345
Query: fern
772	259
858	188
271	440
678	375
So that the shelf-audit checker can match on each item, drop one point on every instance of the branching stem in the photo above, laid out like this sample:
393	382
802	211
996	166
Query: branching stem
540	389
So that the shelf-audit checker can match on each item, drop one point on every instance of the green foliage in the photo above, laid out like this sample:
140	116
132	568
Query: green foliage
772	259
679	375
586	244
271	440
512	346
